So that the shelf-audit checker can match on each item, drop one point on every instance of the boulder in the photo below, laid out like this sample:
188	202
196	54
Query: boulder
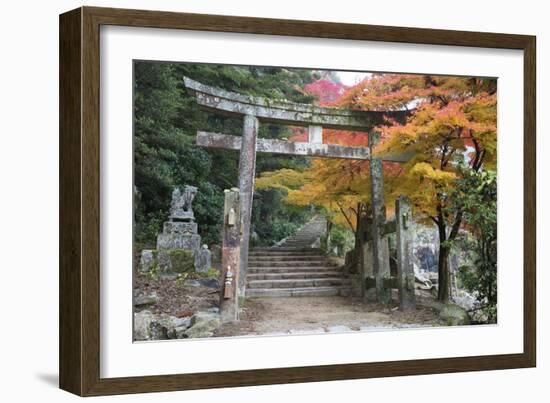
203	259
454	315
171	322
179	332
148	326
148	299
465	300
424	282
205	316
147	261
203	329
203	324
142	323
157	331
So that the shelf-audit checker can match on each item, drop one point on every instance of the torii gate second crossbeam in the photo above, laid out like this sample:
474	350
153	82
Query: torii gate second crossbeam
255	110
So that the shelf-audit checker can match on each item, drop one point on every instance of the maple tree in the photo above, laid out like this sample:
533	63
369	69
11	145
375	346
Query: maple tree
452	121
326	90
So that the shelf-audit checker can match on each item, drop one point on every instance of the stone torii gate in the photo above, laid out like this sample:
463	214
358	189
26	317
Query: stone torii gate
255	110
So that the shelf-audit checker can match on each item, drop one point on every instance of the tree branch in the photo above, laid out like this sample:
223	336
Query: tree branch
456	225
345	216
434	219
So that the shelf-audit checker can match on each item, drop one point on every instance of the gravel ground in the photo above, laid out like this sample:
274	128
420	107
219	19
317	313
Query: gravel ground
269	316
317	314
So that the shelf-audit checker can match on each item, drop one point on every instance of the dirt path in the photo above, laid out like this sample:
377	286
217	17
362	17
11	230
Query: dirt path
322	314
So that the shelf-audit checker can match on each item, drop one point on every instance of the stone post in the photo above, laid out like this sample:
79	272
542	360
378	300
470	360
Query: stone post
366	269
247	168
381	266
229	302
405	269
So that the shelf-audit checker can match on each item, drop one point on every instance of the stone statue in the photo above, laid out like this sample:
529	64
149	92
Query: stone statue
180	233
181	208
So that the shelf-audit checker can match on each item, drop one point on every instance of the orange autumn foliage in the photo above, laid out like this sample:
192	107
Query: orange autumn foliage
452	119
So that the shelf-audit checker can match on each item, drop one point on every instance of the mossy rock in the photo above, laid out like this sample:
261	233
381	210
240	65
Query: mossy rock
454	315
182	261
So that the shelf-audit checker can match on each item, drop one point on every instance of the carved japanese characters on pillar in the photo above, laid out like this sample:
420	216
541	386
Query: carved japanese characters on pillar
247	169
405	270
229	301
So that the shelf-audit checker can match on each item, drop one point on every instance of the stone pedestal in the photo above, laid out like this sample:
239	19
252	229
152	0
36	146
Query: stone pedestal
179	245
178	241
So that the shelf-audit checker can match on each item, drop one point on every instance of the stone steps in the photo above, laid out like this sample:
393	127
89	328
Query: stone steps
307	235
284	255
297	283
294	269
286	269
286	258
298	292
293	275
287	252
282	249
290	263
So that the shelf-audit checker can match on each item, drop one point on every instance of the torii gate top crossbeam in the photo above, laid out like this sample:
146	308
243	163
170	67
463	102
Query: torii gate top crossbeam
285	112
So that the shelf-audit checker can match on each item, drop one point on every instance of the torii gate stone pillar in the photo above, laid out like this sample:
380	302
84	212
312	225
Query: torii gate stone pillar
247	169
381	264
229	302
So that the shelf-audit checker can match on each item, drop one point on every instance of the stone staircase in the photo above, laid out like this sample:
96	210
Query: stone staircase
294	268
307	236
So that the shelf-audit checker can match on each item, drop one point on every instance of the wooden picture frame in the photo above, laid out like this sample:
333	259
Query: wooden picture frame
79	346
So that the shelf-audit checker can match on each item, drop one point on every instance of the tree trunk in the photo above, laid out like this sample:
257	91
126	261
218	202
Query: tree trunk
443	261
443	273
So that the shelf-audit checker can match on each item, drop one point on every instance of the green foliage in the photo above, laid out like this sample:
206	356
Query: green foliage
342	238
211	273
476	192
180	280
274	220
153	273
147	229
208	209
166	120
